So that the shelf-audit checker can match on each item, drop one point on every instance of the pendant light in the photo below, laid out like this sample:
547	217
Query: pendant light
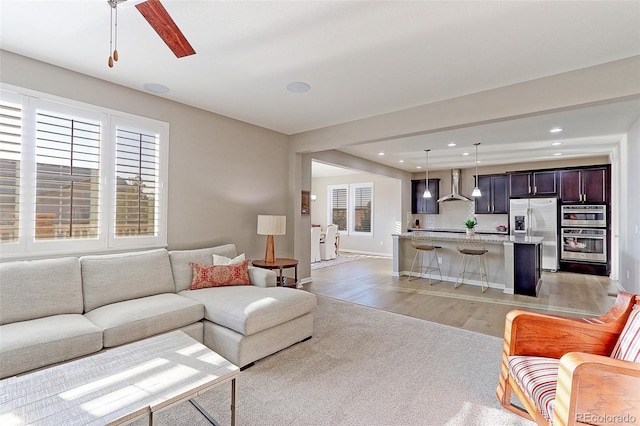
476	191
427	193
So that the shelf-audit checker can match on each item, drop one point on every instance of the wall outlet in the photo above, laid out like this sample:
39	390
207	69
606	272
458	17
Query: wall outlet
439	260
381	243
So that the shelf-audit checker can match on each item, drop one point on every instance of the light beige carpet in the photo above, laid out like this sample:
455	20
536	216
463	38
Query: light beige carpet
367	367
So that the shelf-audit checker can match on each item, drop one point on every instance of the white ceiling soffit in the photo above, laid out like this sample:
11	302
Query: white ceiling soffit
360	58
586	132
322	170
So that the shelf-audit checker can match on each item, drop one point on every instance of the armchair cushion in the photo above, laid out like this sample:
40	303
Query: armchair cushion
537	377
627	347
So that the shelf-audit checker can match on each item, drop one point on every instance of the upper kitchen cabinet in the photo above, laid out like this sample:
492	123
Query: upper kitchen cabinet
522	184
420	205
589	185
495	195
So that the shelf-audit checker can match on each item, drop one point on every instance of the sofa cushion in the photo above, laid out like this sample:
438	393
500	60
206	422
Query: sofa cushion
205	276
249	309
27	345
181	262
39	288
224	260
117	277
136	319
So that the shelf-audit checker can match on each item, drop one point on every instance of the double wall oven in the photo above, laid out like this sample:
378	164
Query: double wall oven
584	233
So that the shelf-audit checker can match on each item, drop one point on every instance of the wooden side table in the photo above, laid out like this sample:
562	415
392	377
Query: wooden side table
280	263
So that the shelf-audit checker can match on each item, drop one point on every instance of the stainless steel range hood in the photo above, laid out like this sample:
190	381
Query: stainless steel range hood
455	188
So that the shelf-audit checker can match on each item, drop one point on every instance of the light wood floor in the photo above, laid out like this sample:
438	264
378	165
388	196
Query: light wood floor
369	282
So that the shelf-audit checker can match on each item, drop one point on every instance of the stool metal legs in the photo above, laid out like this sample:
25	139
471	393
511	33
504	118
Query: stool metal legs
426	269
482	270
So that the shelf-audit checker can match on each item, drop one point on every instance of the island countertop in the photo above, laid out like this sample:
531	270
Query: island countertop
508	259
485	238
460	230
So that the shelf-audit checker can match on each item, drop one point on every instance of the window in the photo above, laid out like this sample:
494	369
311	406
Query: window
338	206
362	196
79	178
10	133
351	208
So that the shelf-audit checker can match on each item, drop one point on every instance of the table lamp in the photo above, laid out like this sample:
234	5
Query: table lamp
271	225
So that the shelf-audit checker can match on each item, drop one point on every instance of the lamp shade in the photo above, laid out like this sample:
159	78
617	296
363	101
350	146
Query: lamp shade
272	225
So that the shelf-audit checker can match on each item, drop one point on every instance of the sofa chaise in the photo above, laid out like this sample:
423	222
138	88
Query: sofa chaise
54	310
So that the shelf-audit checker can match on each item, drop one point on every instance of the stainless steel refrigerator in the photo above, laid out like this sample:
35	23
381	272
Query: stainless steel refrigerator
537	217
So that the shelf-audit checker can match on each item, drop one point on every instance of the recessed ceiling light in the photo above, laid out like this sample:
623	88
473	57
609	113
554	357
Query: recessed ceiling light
298	87
465	153
556	143
400	161
451	144
555	130
418	167
557	154
381	153
156	88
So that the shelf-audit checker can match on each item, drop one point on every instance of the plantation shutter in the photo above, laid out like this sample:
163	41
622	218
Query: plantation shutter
10	151
137	182
339	208
67	176
362	209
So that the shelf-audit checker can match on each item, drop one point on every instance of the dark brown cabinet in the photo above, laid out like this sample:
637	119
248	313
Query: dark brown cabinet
522	184
584	185
495	195
420	205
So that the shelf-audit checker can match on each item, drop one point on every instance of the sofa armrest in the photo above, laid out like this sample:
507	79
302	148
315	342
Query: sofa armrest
591	387
262	277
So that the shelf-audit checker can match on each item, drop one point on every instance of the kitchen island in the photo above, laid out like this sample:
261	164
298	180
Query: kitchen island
508	262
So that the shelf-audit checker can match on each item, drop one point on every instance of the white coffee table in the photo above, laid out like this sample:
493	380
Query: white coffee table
118	385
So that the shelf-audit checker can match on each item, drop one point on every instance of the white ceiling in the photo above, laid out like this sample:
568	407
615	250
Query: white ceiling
361	58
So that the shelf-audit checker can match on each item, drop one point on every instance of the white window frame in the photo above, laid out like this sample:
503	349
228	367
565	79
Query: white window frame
351	193
27	247
351	215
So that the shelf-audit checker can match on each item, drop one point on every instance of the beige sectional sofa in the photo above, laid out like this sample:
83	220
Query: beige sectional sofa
54	310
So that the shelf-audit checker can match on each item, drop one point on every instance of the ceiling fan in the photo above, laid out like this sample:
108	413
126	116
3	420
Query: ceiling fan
159	19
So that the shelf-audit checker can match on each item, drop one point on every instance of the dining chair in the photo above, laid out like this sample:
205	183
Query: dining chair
315	244
328	246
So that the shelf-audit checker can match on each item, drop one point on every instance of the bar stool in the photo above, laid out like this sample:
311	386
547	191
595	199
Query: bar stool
472	246
423	243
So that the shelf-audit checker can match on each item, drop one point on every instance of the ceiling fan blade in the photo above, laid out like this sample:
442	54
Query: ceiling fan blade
158	17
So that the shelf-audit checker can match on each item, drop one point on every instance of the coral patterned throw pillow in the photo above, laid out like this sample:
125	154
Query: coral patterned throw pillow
205	276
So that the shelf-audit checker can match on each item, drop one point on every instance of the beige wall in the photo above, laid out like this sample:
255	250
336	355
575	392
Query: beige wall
627	201
222	172
387	215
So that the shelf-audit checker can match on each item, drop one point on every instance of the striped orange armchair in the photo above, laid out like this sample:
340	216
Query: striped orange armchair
570	371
